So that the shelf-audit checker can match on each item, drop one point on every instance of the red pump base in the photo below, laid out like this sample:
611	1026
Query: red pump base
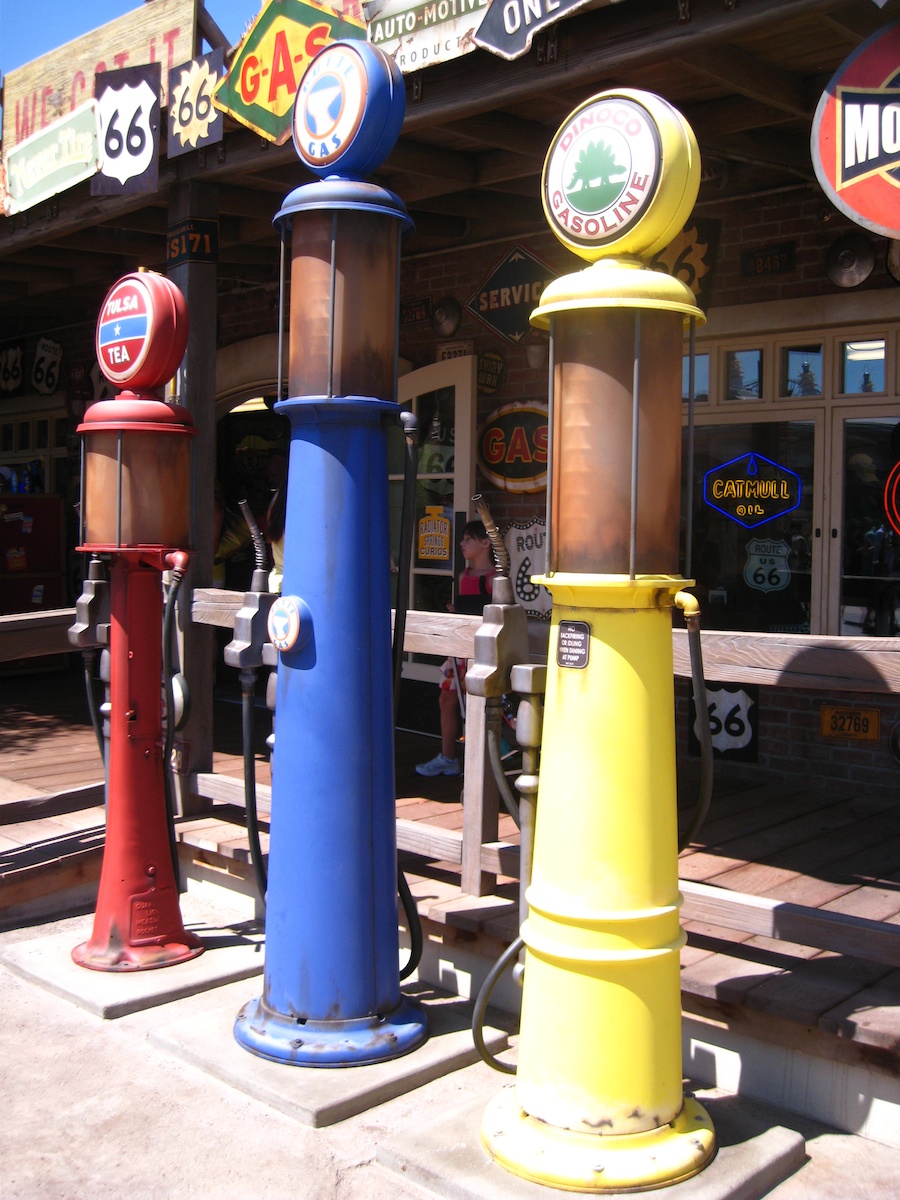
137	925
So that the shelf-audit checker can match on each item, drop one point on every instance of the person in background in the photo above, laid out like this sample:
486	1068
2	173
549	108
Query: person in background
275	536
230	534
475	586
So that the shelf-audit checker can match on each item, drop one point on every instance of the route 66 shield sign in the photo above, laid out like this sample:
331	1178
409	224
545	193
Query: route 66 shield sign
45	369
526	543
129	113
732	715
766	569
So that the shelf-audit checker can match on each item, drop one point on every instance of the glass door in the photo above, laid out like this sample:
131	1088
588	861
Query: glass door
757	503
864	563
442	395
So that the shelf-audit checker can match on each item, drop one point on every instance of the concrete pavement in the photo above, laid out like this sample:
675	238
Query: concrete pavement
98	1108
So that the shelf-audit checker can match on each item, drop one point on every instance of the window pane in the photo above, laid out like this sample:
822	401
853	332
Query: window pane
753	571
701	377
396	447
437	430
800	372
862	367
870	582
432	593
744	370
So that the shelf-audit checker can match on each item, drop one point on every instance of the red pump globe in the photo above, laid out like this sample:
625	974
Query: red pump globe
142	331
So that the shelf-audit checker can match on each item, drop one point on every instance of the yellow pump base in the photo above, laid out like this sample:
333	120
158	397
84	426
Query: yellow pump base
584	1162
598	1104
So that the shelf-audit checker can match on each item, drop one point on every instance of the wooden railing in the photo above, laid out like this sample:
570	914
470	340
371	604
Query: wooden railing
834	664
31	635
445	635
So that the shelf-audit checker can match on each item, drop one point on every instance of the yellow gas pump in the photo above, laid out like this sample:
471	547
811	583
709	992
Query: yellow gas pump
598	1101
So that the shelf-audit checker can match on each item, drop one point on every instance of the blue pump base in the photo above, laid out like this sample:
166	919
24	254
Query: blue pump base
349	1043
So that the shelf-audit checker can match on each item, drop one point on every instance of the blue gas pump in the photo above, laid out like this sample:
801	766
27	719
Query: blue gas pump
331	994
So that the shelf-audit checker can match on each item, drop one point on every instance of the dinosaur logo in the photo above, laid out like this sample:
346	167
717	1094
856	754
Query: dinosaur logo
597	180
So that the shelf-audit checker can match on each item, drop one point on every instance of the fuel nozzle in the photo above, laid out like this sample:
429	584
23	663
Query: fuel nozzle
502	639
502	591
246	649
91	626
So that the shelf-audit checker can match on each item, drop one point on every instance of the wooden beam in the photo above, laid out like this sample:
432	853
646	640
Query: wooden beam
416	158
492	168
786	151
833	664
854	24
505	132
29	635
829	664
596	45
738	71
765	917
731	114
480	205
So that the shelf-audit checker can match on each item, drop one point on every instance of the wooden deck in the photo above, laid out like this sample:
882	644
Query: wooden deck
836	853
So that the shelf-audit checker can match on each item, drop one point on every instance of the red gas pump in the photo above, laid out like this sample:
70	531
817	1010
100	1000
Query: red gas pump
135	492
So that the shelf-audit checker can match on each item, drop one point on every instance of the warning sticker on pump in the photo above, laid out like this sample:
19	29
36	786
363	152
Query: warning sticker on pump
574	644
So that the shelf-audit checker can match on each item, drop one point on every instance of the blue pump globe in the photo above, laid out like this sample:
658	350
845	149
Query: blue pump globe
348	110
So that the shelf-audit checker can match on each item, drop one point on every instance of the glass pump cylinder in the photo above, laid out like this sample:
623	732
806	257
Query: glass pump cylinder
137	474
592	420
343	303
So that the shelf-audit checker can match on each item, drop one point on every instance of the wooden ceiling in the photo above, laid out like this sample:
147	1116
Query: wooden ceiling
747	74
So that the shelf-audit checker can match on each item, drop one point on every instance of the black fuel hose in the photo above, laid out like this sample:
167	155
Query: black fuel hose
481	1002
89	658
168	621
248	733
691	610
410	424
495	755
258	583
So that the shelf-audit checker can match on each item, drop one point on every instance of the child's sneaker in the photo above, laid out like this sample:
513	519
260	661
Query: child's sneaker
439	765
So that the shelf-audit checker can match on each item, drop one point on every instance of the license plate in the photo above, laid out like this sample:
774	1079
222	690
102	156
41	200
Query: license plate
861	724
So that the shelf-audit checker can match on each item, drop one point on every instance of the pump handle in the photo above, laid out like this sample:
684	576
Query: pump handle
498	547
260	579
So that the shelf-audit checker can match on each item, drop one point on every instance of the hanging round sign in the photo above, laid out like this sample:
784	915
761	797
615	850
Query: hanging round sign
892	498
621	175
856	134
142	331
348	110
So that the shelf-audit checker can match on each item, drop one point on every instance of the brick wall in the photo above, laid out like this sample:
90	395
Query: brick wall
801	217
792	749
